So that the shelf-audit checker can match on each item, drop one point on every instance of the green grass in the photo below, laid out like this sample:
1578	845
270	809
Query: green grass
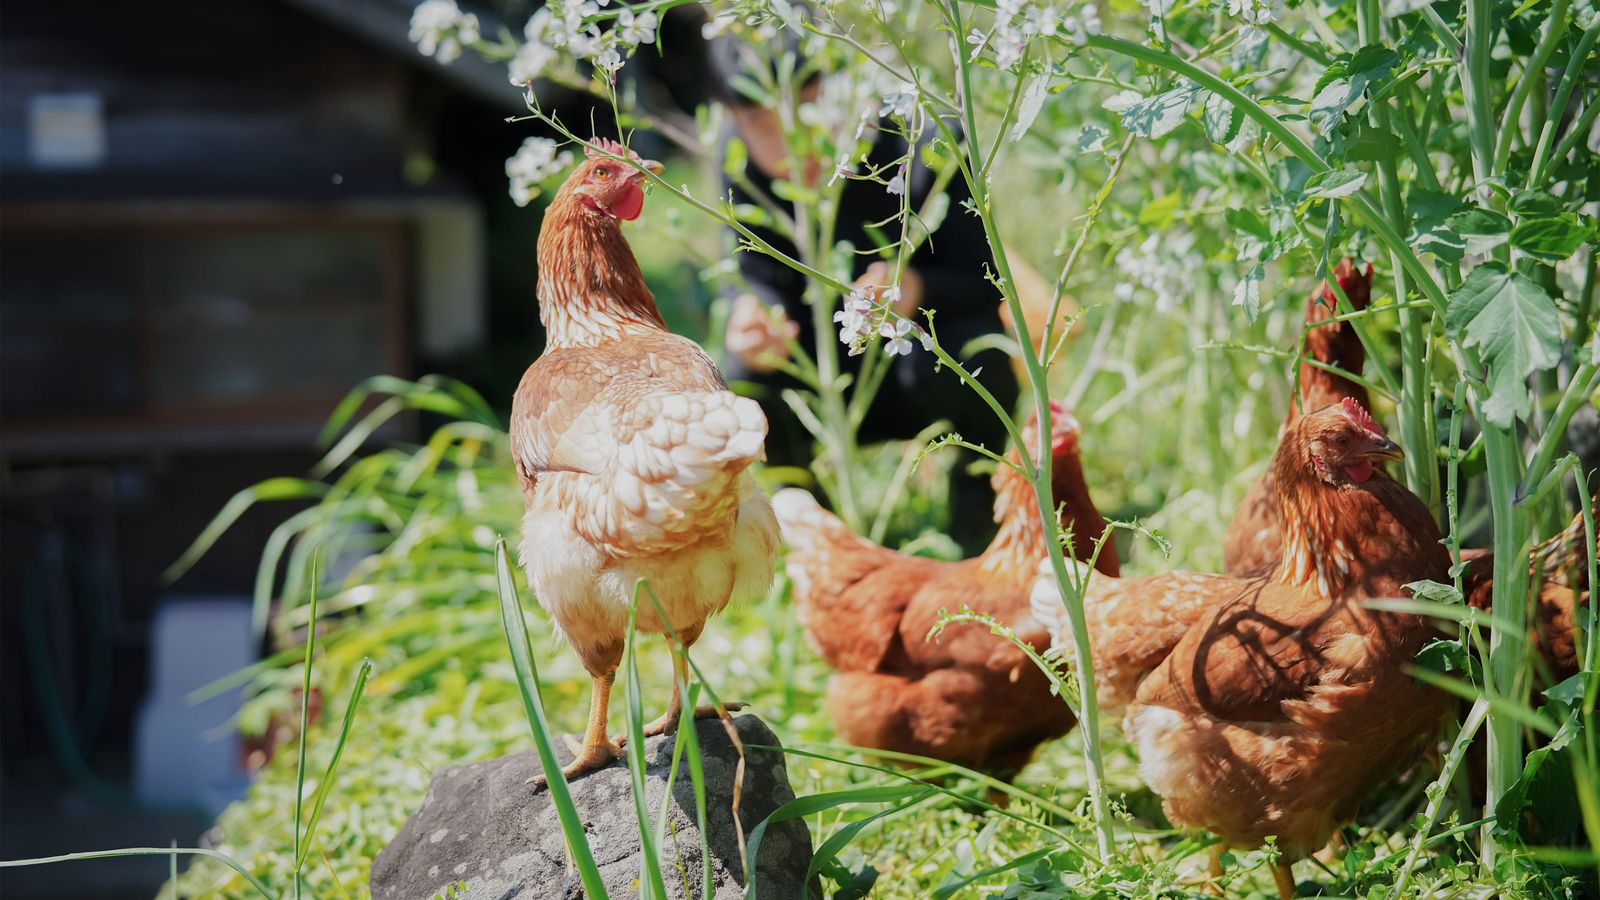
432	609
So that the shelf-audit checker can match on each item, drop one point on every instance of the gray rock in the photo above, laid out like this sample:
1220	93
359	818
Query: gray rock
483	824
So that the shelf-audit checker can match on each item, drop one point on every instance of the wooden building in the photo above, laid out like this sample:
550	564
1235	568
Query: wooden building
215	219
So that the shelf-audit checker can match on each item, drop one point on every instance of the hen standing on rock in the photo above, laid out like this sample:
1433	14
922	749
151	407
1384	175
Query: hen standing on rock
631	451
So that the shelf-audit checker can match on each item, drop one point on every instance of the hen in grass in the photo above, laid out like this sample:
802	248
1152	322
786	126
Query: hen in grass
1253	543
631	451
1269	706
964	695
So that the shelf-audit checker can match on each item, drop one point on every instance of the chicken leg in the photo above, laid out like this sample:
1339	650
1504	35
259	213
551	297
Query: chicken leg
598	749
667	722
1285	878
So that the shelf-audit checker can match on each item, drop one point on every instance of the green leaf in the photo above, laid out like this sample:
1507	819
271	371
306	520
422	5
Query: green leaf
1433	590
1340	182
1551	239
1372	143
1032	101
1156	116
1247	293
1483	229
1221	118
1514	322
1534	203
1429	212
1161	211
735	158
1091	138
1346	81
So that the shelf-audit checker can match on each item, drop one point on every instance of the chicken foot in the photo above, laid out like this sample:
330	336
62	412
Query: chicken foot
667	722
598	749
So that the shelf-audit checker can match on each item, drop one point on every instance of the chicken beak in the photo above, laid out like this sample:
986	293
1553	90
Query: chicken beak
647	165
1380	447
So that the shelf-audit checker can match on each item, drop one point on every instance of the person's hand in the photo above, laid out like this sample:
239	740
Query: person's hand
876	280
756	333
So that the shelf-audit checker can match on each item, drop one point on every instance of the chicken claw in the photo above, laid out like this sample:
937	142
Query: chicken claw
667	722
591	757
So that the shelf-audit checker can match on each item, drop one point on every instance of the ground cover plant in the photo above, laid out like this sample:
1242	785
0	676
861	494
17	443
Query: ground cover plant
1181	174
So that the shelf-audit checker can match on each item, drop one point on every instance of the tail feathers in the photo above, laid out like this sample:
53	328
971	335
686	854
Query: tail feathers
804	521
1564	558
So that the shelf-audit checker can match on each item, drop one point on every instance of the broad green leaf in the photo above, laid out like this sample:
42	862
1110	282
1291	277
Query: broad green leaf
1553	238
1156	116
1372	143
1340	182
1482	229
1429	212
1535	203
1514	322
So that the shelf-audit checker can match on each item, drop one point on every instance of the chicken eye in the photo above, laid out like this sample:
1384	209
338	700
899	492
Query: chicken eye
602	173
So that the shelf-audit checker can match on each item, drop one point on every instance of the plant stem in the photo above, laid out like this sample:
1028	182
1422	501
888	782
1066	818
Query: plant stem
1555	27
1416	401
1088	713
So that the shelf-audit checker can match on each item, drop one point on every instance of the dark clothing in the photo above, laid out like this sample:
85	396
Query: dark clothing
952	264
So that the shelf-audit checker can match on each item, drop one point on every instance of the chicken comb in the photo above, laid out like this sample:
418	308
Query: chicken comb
1359	415
601	145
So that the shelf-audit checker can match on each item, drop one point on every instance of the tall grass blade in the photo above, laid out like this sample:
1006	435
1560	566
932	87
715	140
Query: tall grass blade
238	505
223	858
326	785
528	685
305	723
651	885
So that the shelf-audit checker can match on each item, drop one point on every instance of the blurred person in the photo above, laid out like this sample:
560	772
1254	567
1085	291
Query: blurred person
945	274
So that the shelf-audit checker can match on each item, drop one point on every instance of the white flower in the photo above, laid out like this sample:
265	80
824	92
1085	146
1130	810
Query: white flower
1008	49
1255	13
841	169
439	28
534	163
897	185
1086	23
635	30
1165	265
609	60
541	27
531	61
586	44
899	103
854	319
1042	20
717	25
898	344
926	339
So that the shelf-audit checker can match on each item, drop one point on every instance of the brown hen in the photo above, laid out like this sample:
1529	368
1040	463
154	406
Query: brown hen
1269	706
1253	543
966	695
